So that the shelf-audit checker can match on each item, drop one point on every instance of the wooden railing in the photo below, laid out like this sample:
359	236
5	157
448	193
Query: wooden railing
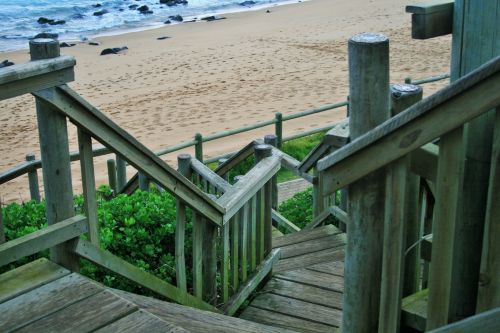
234	220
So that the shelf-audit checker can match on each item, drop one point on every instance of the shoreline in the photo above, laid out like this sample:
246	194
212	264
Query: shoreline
220	75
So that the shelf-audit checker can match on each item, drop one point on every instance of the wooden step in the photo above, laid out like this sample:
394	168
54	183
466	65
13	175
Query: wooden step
414	310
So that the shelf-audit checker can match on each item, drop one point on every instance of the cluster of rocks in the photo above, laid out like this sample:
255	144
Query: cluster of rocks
171	3
44	20
247	3
6	63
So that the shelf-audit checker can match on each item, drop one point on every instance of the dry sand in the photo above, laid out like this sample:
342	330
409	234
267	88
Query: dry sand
214	76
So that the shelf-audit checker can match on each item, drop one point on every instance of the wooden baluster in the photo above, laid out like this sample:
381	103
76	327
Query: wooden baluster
279	130
209	261
33	180
121	173
197	255
88	185
226	260
253	233
53	134
369	106
112	175
143	182
261	152
272	140
2	228
245	219
184	168
236	246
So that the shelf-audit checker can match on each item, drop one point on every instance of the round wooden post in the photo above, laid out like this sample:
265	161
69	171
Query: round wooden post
112	175
53	134
369	106
279	130
272	140
33	180
143	182
121	173
198	148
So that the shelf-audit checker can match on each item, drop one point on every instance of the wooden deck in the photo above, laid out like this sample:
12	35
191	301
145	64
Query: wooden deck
306	290
44	297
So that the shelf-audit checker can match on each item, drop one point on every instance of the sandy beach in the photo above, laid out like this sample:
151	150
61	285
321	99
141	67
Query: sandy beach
214	76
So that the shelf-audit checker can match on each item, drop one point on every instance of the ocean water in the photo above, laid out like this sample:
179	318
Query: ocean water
18	18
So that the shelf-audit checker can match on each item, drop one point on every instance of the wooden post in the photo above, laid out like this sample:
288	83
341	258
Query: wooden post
279	130
2	228
369	106
184	167
198	148
226	175
272	140
53	134
88	185
143	182
261	152
33	180
112	175
401	218
121	173
474	42
317	194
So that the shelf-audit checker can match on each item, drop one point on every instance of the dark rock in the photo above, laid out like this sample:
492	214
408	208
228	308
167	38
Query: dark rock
6	63
101	12
133	6
97	5
78	16
46	35
94	43
177	18
44	20
143	8
163	37
247	3
58	22
268	11
171	3
113	50
64	44
212	18
167	22
121	10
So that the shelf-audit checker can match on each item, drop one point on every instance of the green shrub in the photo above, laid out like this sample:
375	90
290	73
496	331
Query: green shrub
298	209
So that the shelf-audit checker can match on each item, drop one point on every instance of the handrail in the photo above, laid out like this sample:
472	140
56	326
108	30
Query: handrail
210	176
107	132
452	106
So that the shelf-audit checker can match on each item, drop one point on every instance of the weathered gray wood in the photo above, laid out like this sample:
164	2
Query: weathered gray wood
28	277
369	106
33	180
244	228
119	266
315	245
236	158
485	322
476	24
121	173
318	220
111	135
88	185
448	186
2	227
440	113
424	161
305	235
299	309
489	279
253	233
334	268
249	286
248	186
45	300
143	181
318	195
111	165
197	256
225	262
278	129
304	292
210	176
235	248
209	259
140	321
84	316
195	320
284	222
35	75
314	278
54	146
431	19
334	253
183	166
272	140
414	310
42	239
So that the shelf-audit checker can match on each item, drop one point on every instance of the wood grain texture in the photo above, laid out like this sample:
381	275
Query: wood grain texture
141	321
334	268
28	277
414	310
484	322
314	278
314	245
305	235
211	177
309	259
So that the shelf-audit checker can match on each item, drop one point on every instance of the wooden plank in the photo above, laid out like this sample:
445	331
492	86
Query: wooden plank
448	186
304	292
209	260
305	235
281	320
309	259
424	161
432	24
34	68
314	155
299	309
211	177
414	310
28	277
334	268
88	185
111	135
284	222
84	316
314	278
45	300
140	321
245	221
195	320
440	113
225	263
314	245
248	287
197	256
249	185
253	233
180	257
429	7
292	164
119	266
485	322
318	220
235	248
231	162
42	239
